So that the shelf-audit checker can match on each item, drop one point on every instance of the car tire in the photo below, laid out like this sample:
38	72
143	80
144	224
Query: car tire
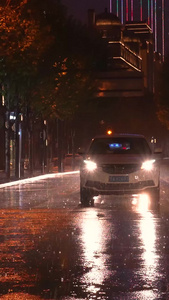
86	198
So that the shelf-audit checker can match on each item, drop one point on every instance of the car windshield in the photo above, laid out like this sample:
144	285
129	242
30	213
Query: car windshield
119	146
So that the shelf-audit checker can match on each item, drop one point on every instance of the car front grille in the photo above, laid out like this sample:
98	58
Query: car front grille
119	186
120	168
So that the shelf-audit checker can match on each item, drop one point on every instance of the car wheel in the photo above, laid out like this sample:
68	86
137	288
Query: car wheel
85	197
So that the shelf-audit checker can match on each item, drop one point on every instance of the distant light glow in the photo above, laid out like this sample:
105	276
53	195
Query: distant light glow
3	100
109	132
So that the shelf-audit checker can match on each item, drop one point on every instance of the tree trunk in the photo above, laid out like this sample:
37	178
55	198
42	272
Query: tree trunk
60	145
30	143
16	148
73	149
31	151
19	160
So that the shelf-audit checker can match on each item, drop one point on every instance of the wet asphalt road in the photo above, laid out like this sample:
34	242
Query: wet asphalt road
53	248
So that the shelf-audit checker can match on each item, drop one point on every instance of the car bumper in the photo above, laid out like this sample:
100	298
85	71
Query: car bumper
99	183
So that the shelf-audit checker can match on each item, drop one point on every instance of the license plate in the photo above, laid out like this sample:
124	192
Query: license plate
118	179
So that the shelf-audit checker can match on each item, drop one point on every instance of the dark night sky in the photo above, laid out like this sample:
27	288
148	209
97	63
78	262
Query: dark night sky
78	9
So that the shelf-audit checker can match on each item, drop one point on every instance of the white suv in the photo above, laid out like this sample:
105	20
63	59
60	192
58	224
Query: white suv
118	164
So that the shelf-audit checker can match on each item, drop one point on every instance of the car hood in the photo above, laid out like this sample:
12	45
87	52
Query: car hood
119	159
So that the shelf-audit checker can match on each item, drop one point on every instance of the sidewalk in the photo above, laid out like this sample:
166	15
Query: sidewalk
3	178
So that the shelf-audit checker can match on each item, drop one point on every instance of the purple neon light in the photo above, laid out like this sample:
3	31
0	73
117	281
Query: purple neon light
110	6
122	14
152	15
163	31
127	10
132	10
155	24
148	12
141	10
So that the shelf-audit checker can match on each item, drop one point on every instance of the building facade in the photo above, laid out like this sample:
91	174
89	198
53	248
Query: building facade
130	59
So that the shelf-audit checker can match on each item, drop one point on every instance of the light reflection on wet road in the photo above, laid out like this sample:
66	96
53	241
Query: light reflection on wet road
52	248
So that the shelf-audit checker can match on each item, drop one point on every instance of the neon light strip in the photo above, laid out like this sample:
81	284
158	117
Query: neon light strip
132	10
163	31
122	14
141	10
117	8
152	15
148	12
127	10
155	24
110	6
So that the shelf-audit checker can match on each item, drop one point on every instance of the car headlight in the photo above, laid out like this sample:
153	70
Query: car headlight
90	165
148	165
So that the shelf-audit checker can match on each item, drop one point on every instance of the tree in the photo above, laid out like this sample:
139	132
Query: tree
46	59
20	50
42	53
